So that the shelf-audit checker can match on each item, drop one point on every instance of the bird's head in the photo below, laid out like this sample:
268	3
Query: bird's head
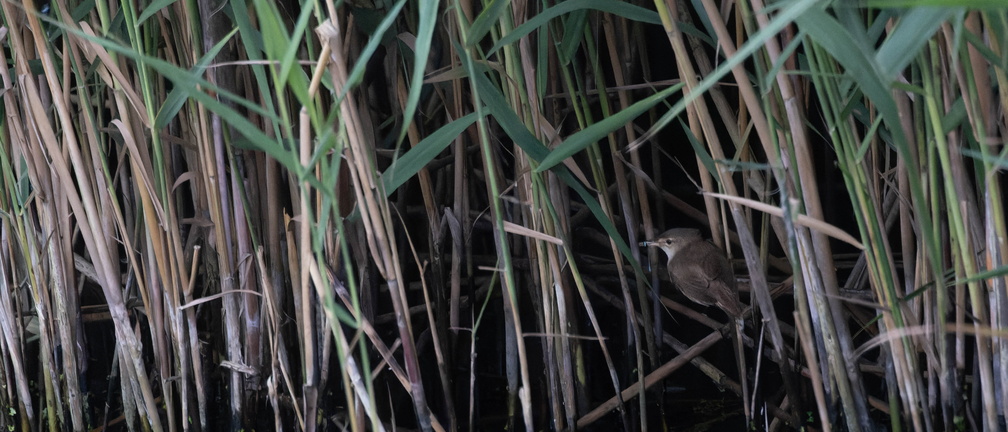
674	240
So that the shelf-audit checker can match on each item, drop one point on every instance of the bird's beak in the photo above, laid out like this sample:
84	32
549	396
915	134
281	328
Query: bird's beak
646	243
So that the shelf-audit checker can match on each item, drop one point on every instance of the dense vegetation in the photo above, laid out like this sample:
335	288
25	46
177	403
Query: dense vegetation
384	214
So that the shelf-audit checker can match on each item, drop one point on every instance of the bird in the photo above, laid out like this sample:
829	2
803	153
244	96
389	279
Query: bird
699	269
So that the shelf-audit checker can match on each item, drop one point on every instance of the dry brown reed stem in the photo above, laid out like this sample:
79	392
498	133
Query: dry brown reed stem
651	379
306	299
11	319
989	234
376	218
84	201
996	246
806	179
436	304
634	202
161	280
278	362
626	196
306	318
13	346
718	377
194	346
589	309
436	337
688	74
805	337
354	385
965	237
516	360
222	201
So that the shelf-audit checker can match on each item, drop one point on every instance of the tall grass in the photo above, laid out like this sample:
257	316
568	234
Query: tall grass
375	215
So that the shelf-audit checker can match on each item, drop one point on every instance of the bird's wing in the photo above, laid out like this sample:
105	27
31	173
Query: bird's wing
723	288
694	283
717	269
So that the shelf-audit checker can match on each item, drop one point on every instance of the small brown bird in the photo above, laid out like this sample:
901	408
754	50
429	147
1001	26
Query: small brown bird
702	272
699	269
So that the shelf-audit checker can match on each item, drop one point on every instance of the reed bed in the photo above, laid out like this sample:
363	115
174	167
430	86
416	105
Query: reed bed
374	215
